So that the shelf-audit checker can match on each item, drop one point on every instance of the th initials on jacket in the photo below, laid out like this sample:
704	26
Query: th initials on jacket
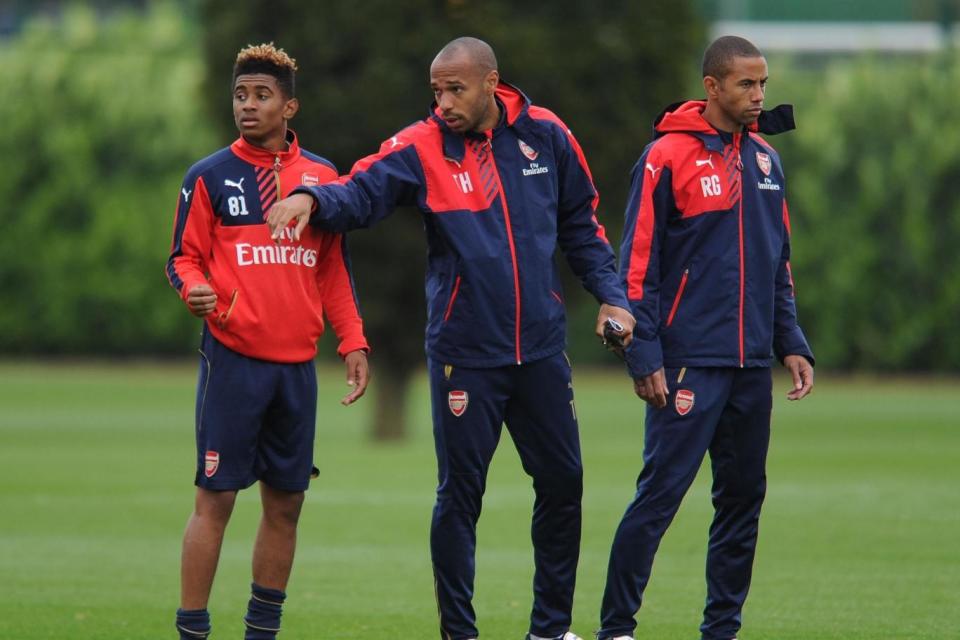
462	180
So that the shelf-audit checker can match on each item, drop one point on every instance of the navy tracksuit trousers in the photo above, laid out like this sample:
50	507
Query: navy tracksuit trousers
725	411
535	400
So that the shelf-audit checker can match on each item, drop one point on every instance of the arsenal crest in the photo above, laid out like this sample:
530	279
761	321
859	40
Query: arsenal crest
528	151
457	401
310	179
211	463
763	161
683	401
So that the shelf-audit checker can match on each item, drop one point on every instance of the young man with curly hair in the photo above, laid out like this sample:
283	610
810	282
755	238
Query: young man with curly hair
263	306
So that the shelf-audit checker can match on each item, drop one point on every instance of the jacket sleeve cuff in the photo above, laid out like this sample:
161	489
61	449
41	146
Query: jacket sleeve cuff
310	192
614	296
187	286
352	344
792	343
304	189
643	357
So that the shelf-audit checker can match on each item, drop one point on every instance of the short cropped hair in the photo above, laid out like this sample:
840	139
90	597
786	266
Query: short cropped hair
720	54
269	60
478	52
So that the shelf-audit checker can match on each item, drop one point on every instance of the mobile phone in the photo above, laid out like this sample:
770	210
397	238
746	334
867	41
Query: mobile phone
611	334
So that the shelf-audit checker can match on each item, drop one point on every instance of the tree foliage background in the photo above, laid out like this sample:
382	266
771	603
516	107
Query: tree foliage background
101	119
109	107
872	175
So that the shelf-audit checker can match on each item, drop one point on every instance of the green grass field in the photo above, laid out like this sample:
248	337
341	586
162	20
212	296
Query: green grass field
860	536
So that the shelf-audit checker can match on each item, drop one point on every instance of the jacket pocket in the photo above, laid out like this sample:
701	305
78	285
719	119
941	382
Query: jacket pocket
453	298
676	298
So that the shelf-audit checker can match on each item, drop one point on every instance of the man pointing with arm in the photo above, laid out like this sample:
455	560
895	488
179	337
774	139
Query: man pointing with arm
501	184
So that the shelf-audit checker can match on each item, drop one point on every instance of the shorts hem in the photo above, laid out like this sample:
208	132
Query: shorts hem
292	487
225	485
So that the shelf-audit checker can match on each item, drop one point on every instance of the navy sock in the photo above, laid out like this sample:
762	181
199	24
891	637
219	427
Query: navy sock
193	624
263	613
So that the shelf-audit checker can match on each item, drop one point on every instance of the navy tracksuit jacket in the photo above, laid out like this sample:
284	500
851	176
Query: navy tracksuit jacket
496	206
705	262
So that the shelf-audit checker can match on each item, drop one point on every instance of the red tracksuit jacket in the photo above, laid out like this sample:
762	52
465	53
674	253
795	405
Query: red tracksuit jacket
271	298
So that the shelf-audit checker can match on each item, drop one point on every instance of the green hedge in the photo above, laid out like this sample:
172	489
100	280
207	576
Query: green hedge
102	117
873	174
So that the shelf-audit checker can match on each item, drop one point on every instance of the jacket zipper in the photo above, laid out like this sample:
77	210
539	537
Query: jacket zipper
737	143
276	175
453	297
676	298
513	248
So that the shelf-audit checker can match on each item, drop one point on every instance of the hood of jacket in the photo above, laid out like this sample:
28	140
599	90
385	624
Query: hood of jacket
687	117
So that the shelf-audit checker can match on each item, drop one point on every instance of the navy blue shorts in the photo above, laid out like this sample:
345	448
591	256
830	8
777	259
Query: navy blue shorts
255	420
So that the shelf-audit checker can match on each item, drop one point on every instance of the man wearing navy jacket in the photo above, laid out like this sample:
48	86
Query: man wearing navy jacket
705	262
500	184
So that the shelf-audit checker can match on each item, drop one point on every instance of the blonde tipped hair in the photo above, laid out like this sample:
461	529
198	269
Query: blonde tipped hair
266	53
267	59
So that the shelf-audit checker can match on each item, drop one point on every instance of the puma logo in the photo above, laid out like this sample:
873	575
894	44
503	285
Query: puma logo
708	161
231	183
186	194
394	142
653	170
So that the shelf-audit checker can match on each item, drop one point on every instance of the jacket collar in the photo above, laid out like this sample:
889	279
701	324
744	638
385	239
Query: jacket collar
513	113
262	157
687	117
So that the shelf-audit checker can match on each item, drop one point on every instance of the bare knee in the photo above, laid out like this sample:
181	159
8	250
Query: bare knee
281	507
215	506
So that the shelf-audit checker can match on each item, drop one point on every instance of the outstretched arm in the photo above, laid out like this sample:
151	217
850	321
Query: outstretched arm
376	185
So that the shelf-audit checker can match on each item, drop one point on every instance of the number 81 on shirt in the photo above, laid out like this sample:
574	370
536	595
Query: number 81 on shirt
237	206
